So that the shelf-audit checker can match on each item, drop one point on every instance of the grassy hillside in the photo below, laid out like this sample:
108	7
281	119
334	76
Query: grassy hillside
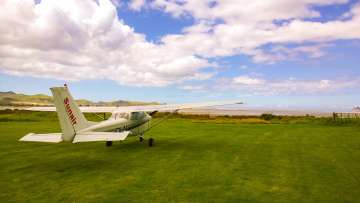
13	99
192	161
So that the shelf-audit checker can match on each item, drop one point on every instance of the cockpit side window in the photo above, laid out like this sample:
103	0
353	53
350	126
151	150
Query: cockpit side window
122	115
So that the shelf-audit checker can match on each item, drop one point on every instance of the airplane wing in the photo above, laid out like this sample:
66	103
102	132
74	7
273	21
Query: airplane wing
173	107
147	108
100	136
51	137
84	109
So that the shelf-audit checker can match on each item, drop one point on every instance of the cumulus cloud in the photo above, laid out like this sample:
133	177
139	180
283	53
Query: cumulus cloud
243	10
85	39
136	4
227	28
281	53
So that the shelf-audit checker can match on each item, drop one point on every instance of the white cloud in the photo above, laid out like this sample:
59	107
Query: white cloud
281	52
243	10
289	86
136	4
117	3
192	87
243	67
84	39
227	28
246	80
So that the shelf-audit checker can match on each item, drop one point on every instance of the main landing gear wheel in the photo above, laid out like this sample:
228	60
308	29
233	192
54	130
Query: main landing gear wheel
141	139
151	142
109	143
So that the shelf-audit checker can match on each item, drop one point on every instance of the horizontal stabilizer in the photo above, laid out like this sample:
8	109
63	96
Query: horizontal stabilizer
100	136
51	137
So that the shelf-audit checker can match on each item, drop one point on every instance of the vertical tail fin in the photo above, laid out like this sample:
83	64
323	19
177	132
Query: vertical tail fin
71	118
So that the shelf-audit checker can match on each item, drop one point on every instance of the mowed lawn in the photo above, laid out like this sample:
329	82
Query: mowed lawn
190	162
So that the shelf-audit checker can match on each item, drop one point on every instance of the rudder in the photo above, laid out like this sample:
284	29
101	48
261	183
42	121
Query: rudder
71	118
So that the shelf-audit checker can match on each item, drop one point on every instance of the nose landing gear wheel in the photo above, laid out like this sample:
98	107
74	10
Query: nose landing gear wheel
109	143
151	142
141	139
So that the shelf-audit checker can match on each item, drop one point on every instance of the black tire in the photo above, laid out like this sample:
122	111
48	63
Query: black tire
141	139
109	143
151	142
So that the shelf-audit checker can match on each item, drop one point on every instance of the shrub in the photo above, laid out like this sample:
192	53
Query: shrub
267	116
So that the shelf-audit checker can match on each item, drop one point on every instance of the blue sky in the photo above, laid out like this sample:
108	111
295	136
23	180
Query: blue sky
305	54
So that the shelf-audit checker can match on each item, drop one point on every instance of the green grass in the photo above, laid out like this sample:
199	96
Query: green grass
192	161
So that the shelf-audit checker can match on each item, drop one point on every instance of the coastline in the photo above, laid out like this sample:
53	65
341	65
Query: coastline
255	112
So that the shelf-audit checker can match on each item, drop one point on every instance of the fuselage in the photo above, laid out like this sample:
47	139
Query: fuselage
136	122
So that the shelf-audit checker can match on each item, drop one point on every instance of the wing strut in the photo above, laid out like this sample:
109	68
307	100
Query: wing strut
162	120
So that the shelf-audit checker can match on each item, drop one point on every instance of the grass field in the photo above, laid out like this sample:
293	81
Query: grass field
192	161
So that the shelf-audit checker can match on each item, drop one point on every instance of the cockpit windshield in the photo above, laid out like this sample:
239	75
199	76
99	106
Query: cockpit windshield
137	115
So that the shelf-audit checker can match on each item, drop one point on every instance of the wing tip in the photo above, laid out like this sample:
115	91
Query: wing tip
24	138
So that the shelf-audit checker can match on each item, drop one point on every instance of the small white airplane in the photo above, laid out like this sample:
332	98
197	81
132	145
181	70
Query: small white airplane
124	121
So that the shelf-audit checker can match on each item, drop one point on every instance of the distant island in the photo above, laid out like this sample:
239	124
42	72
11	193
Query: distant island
22	100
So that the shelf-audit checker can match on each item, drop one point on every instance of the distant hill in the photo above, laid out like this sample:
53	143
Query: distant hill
13	99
